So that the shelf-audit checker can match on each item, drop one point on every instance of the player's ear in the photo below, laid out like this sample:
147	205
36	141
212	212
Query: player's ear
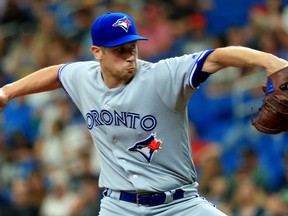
96	51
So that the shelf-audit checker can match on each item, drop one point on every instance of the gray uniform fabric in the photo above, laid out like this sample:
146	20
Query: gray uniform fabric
141	129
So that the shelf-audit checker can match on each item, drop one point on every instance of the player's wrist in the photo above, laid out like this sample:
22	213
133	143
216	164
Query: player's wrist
4	98
7	92
274	64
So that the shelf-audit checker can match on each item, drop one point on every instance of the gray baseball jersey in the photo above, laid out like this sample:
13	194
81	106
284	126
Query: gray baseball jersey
141	129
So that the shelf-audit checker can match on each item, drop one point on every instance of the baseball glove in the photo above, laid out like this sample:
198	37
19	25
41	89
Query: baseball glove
272	117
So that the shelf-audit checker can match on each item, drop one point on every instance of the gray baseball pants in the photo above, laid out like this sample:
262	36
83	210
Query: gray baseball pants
190	205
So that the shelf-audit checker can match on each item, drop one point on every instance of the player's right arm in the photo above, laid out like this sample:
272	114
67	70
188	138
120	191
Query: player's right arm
45	79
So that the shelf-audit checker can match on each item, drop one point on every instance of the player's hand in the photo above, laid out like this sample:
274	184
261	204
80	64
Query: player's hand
4	99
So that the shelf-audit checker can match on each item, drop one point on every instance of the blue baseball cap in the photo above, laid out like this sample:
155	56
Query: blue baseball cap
114	29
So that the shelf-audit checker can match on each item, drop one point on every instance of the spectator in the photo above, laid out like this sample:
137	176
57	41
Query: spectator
247	199
20	200
89	200
60	199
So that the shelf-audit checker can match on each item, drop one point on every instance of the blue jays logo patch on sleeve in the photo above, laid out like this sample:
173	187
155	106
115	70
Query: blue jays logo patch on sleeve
147	147
124	23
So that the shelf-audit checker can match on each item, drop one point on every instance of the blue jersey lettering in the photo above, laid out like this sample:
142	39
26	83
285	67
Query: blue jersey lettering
126	119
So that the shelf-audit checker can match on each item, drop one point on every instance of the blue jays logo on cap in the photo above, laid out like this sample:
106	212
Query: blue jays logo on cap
124	23
107	30
147	147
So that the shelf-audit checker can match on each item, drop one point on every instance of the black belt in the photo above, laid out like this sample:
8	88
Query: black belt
149	199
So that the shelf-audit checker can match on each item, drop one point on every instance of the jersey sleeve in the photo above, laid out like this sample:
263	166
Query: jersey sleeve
178	78
68	75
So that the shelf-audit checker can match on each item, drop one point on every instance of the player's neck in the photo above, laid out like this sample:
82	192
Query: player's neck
114	82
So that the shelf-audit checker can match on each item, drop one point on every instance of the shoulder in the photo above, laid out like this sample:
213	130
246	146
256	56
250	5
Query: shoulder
144	65
80	66
76	71
177	59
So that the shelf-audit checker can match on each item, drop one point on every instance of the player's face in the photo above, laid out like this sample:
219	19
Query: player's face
118	64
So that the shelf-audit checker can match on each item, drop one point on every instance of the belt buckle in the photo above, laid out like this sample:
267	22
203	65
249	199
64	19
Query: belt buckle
143	195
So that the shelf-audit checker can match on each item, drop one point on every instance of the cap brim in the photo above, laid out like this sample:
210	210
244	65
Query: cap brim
123	40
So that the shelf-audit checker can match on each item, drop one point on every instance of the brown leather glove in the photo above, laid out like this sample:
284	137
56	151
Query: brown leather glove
272	117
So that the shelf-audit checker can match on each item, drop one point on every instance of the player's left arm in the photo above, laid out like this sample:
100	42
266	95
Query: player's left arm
237	56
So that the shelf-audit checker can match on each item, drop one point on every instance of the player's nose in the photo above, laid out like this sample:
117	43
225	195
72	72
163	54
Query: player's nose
131	57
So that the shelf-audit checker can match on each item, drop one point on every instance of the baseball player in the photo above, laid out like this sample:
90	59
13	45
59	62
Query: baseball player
136	114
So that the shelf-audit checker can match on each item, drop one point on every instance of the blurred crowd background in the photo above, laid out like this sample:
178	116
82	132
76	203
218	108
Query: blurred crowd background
48	164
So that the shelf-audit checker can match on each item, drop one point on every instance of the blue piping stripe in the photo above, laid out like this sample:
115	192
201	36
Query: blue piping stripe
197	63
194	67
59	78
60	70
